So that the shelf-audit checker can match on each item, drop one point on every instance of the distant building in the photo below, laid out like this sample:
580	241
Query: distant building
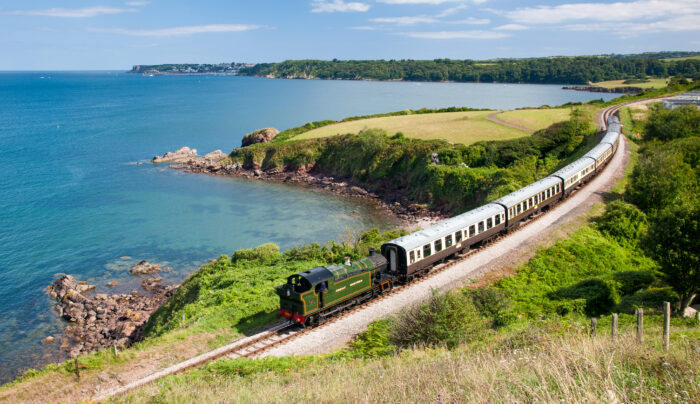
691	98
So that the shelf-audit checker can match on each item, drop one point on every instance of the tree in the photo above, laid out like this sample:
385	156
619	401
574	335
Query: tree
673	240
660	178
665	125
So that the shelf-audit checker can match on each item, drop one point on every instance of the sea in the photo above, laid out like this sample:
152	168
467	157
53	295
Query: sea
79	196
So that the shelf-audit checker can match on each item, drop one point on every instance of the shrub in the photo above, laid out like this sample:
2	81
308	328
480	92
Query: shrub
600	295
447	319
632	281
651	298
624	222
373	342
491	303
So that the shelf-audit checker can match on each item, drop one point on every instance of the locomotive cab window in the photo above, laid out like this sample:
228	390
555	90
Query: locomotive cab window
438	245
426	250
458	236
448	241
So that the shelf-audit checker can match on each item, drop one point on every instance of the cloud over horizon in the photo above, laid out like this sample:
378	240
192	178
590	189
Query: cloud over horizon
179	31
330	6
72	13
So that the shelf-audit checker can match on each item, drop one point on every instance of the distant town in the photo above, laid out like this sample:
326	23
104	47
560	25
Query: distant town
186	68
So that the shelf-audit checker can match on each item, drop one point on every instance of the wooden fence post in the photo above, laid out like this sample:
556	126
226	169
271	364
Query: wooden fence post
77	371
116	353
614	326
667	324
594	325
640	324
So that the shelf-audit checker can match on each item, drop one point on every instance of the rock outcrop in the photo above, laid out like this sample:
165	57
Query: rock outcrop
144	267
102	321
214	157
180	156
259	136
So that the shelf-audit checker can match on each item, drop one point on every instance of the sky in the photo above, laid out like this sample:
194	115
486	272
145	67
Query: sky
114	35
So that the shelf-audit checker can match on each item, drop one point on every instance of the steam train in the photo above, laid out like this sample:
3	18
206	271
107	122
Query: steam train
312	296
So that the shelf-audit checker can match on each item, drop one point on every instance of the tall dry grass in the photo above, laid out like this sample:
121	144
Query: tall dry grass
566	369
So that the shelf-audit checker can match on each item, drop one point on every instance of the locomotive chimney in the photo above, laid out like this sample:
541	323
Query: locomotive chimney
347	260
371	252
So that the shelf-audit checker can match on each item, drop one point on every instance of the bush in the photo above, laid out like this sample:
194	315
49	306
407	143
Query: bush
624	222
652	298
665	125
491	303
600	295
447	319
632	281
373	342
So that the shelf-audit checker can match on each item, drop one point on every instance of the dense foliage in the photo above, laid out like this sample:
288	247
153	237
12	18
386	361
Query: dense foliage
238	291
669	124
561	70
451	177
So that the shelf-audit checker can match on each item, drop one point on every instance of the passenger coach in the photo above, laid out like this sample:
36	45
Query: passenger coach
529	200
412	255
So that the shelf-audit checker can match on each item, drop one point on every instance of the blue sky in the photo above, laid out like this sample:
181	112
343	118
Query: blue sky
106	34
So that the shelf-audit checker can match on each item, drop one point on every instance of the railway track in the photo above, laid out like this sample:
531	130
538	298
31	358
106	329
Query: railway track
253	346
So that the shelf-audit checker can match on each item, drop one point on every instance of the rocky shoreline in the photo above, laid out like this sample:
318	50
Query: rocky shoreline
97	320
616	90
308	176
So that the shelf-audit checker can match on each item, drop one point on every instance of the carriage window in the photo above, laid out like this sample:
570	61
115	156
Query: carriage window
418	253
426	250
458	236
481	227
412	256
448	241
489	223
498	219
520	208
438	245
472	230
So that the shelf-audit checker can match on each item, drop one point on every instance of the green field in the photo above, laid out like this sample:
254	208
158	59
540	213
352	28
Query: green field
653	83
456	127
684	58
534	119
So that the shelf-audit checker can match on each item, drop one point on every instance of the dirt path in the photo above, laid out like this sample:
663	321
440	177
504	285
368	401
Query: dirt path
492	118
515	248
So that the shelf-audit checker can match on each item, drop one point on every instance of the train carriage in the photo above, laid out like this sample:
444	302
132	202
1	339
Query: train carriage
611	138
576	173
529	200
601	154
412	255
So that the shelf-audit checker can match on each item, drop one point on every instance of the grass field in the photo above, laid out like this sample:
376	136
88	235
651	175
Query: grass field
685	58
456	127
534	119
653	83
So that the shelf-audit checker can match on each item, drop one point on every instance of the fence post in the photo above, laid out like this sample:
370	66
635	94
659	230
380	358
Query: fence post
640	324
614	326
594	325
77	371
116	353
667	324
183	319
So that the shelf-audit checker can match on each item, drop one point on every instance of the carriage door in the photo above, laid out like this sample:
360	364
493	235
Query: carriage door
392	259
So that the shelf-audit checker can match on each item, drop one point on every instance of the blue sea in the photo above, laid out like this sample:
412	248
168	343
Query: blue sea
73	200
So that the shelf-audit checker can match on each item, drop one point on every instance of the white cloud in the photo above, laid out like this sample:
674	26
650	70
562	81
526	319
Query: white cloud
73	12
512	27
405	20
451	10
457	35
619	11
630	29
137	3
470	21
330	6
421	1
180	31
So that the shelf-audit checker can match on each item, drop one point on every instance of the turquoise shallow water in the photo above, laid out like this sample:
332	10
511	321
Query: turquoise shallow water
72	201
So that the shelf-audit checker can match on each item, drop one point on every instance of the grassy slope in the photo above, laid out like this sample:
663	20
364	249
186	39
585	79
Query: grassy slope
537	364
535	119
653	83
456	127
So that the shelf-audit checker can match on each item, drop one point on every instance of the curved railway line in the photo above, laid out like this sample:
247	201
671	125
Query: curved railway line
282	333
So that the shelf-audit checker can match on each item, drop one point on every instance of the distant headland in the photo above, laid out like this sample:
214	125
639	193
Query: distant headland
191	68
